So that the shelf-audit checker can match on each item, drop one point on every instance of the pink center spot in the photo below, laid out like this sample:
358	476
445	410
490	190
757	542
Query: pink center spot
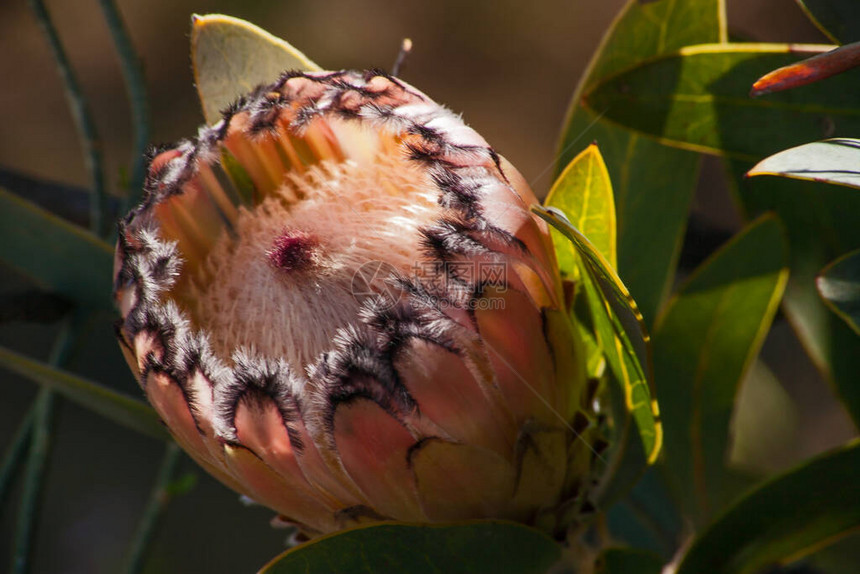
292	250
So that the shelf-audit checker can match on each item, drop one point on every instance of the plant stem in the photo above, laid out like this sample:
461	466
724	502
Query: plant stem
155	508
80	113
38	457
14	456
132	73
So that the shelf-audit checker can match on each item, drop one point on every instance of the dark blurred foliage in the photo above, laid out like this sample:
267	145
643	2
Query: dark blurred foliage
508	66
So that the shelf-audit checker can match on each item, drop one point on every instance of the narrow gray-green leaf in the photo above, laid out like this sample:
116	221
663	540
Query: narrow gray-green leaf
830	161
231	57
839	286
58	256
838	19
466	548
117	407
703	344
783	519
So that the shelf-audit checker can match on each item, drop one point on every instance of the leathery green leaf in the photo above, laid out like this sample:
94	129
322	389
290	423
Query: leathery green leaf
117	407
834	161
821	222
59	256
708	336
648	517
231	57
643	30
697	99
629	561
783	519
584	193
620	331
764	423
839	286
463	548
838	19
653	184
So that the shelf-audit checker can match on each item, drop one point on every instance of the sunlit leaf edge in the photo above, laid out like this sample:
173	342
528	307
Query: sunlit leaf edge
766	168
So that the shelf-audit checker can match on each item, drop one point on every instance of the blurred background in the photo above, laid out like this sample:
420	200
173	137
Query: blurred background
508	66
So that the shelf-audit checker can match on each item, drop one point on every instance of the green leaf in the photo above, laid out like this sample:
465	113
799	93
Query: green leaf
58	256
117	407
709	334
697	99
629	526
231	57
821	221
653	184
783	519
629	561
841	557
620	332
644	30
474	547
584	193
648	517
831	161
839	286
765	424
838	19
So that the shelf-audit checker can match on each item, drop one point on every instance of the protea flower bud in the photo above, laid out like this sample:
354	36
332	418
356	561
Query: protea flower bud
339	303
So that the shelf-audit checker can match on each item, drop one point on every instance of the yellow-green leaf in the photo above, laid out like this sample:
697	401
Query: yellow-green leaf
620	332
231	57
584	193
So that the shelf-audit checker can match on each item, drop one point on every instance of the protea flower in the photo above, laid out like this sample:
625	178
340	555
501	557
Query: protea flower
339	303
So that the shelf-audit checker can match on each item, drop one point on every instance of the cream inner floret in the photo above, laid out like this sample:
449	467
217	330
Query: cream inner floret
291	273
